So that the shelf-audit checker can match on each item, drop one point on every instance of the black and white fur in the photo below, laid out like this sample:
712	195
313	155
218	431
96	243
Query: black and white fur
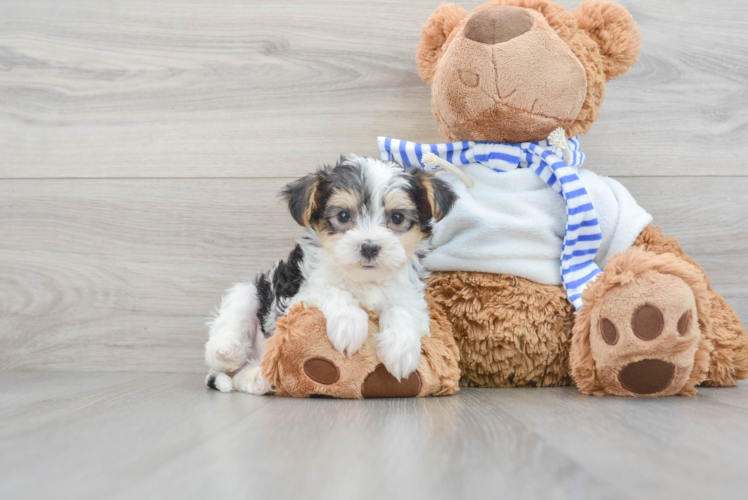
368	225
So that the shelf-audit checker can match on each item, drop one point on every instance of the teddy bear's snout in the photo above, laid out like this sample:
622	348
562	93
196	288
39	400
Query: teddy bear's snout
494	25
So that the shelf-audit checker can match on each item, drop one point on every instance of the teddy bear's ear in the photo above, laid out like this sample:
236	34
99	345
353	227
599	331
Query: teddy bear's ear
434	35
614	31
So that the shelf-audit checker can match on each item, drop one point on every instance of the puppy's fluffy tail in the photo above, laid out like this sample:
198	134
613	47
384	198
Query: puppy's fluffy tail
235	336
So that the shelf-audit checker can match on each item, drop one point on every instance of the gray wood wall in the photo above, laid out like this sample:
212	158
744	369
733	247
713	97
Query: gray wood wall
142	145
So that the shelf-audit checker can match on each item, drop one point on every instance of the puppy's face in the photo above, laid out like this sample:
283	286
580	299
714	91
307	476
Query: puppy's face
370	215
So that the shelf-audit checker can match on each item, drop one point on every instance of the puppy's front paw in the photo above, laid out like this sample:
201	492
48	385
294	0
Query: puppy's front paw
398	352
347	329
225	355
250	380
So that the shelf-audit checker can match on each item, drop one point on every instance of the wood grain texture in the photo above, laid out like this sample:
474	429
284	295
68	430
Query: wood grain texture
165	436
124	273
169	88
121	274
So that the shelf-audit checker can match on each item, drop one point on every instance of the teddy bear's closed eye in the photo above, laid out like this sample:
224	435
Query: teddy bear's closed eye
469	78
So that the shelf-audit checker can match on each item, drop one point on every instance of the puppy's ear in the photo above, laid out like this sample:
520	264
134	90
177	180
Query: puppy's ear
615	32
441	197
438	196
434	37
301	196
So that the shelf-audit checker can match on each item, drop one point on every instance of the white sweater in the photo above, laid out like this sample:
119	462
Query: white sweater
513	223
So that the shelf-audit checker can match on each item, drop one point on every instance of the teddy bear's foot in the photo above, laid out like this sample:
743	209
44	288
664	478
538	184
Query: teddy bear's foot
381	384
646	346
643	330
378	384
300	361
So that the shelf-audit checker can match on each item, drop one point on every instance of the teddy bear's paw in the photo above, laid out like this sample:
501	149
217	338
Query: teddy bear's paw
321	370
400	353
381	384
644	337
347	329
225	355
250	380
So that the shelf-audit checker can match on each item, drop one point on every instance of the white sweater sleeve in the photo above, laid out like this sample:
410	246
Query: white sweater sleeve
621	218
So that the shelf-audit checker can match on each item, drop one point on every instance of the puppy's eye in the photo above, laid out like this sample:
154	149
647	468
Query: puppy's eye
344	217
397	218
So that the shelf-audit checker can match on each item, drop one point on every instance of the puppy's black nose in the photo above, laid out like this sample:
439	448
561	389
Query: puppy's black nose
369	250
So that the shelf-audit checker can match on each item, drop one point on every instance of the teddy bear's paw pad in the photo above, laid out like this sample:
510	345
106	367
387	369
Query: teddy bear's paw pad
646	347
381	384
321	370
648	376
647	322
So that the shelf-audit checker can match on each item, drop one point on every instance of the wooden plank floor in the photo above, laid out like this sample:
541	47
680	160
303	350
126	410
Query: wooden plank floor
143	435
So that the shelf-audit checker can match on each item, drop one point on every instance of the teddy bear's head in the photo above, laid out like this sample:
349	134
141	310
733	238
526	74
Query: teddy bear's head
515	70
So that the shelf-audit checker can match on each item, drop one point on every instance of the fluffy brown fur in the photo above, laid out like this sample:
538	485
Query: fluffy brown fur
434	34
601	35
630	270
614	32
302	336
729	359
512	332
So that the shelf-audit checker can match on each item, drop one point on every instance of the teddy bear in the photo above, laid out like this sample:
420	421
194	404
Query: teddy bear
649	322
545	273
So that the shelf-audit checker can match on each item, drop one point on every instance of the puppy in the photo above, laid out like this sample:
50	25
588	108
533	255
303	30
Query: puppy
367	225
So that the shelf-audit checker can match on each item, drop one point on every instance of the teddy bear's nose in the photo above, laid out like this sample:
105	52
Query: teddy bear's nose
498	24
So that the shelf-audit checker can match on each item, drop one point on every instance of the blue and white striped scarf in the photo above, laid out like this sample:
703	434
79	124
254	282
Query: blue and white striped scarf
583	236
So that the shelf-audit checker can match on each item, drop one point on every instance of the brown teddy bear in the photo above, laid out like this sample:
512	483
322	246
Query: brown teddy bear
513	84
651	324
